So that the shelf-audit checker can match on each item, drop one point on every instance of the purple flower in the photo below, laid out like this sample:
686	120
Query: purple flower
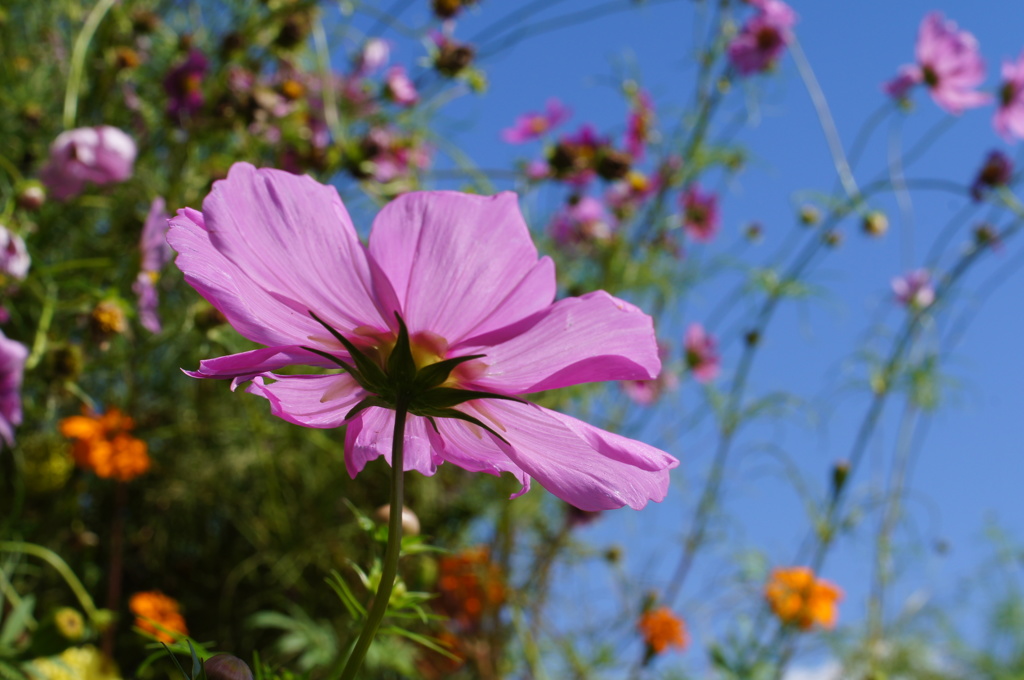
701	353
100	155
997	171
14	257
948	63
270	250
914	289
700	213
399	88
12	366
1009	118
533	125
582	220
184	86
763	38
155	254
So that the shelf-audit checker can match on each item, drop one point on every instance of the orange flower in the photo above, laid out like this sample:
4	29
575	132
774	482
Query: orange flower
102	444
468	585
158	615
798	598
662	629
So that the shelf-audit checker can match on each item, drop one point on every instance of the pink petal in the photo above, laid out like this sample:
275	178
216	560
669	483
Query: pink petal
369	436
576	340
454	259
584	466
246	365
309	400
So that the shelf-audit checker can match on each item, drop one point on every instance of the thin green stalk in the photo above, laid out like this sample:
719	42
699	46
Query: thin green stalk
394	547
62	568
92	22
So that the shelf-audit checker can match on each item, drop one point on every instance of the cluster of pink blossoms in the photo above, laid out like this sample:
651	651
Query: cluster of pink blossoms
761	41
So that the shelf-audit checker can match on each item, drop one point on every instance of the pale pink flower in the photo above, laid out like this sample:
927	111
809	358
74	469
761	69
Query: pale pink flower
701	353
948	63
271	250
700	213
374	56
762	39
914	289
537	170
12	366
399	87
1009	118
533	125
97	155
14	258
155	254
646	392
580	221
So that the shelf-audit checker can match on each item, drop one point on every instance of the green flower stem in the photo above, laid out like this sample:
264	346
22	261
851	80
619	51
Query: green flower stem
394	547
54	560
92	22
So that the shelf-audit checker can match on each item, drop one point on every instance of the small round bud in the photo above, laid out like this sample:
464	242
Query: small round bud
985	235
754	232
752	338
809	215
410	522
840	471
31	196
833	239
226	667
875	223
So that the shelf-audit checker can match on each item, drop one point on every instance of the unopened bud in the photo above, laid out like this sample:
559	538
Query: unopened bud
754	232
410	522
875	223
833	239
226	667
31	196
69	623
840	471
810	216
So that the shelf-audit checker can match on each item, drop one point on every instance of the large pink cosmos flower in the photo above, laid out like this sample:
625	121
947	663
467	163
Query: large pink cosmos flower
12	366
762	39
948	63
270	250
1009	118
100	155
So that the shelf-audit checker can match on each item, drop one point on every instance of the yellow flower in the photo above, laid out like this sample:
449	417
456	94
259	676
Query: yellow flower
662	629
74	663
799	598
158	615
103	445
69	623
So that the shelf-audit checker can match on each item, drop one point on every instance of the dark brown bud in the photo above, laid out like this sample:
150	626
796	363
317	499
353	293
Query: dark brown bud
752	338
293	31
840	471
613	165
446	9
452	58
226	667
231	43
833	239
810	216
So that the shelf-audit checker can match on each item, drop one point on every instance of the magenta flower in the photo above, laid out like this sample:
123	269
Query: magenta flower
14	257
12	366
762	39
399	87
948	63
646	392
533	125
914	289
581	221
701	353
100	155
700	214
451	278
1009	118
184	86
155	254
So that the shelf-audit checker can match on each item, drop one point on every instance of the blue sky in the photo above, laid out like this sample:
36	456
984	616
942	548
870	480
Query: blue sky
967	469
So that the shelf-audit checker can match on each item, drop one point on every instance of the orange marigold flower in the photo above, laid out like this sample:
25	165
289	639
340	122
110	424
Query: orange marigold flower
158	615
797	597
662	629
102	444
468	585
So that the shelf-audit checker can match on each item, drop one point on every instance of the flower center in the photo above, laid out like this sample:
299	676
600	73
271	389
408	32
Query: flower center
768	39
931	78
1007	93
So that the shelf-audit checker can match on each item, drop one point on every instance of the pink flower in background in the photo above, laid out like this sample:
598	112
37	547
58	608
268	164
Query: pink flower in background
537	170
530	126
155	254
914	289
700	214
763	38
582	220
14	257
399	87
948	63
646	392
701	353
1009	118
392	156
627	194
639	123
97	155
270	250
184	86
12	367
995	172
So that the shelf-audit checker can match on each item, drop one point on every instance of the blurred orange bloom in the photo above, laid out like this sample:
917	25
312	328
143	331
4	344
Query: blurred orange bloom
102	444
662	629
468	585
158	615
797	597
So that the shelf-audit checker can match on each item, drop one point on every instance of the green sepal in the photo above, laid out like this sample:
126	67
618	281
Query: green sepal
349	368
372	400
435	374
431	413
372	373
401	365
446	397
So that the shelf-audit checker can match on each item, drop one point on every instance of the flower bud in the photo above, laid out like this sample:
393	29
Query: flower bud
613	165
840	471
452	58
833	239
226	667
875	223
31	196
410	522
810	216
